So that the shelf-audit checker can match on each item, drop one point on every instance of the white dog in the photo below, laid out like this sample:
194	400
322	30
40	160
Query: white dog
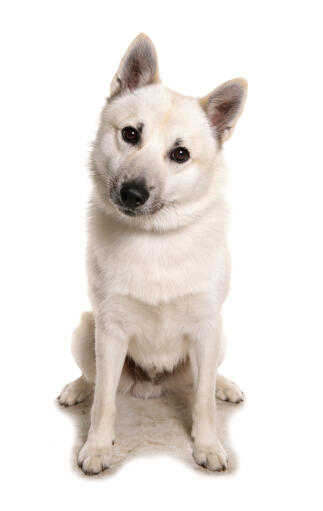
158	262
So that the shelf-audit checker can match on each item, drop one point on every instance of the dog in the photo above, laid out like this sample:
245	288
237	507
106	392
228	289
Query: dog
157	261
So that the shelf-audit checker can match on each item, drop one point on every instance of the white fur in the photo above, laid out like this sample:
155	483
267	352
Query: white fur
157	281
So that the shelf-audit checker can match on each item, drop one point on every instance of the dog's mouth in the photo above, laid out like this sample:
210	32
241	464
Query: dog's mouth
150	210
126	211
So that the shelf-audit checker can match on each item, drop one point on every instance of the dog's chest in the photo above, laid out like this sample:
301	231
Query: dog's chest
157	268
158	287
159	341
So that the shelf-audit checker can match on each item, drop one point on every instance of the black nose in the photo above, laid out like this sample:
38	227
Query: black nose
134	194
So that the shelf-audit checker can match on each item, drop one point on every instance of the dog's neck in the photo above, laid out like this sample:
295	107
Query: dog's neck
157	266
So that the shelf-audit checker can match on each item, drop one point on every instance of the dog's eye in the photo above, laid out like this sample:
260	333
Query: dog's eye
130	135
180	154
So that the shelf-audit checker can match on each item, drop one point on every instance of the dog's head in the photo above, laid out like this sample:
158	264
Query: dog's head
154	158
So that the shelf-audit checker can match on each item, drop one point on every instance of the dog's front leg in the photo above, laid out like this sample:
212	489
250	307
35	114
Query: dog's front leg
204	355
110	348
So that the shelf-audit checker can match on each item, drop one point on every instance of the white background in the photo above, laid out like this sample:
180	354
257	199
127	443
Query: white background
57	62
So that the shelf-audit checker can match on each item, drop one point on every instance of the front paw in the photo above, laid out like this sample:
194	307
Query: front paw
211	456
94	460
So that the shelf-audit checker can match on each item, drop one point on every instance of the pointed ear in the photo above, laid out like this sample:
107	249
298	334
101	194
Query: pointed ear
138	67
224	105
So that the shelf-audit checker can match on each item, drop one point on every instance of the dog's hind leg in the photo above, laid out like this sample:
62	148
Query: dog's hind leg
83	350
75	392
227	390
84	355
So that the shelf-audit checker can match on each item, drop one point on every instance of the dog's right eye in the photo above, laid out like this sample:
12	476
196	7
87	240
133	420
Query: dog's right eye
130	135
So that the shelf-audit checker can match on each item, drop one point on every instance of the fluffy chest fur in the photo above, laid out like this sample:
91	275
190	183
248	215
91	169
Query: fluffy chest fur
158	342
159	286
152	267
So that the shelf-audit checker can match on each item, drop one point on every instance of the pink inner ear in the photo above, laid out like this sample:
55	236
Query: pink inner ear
220	114
134	76
133	82
217	117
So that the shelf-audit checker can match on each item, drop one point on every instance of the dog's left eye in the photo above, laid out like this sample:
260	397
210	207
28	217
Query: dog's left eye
180	154
130	135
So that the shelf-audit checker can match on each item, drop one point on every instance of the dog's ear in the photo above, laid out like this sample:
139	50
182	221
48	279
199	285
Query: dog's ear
224	105
138	67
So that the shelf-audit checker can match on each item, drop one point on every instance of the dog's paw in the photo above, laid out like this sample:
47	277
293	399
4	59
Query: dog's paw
75	392
213	457
227	390
94	460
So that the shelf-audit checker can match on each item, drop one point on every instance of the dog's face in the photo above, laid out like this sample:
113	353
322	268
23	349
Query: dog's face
156	149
